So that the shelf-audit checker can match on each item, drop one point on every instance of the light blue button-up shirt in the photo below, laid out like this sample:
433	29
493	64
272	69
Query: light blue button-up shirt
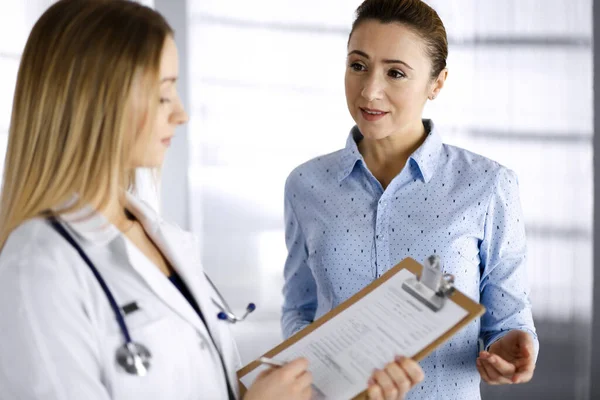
343	230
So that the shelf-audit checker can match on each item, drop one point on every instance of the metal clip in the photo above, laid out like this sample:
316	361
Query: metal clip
433	287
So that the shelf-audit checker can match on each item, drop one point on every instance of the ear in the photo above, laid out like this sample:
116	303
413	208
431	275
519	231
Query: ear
437	85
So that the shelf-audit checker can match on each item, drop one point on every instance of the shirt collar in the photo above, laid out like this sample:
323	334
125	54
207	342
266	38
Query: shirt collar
350	154
426	157
94	227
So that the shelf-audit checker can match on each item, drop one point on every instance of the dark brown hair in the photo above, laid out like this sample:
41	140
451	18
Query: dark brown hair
416	15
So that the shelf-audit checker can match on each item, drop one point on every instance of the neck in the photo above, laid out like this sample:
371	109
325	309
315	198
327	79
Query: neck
395	149
114	212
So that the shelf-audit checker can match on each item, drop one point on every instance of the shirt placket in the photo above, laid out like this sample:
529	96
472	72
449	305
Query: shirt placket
382	243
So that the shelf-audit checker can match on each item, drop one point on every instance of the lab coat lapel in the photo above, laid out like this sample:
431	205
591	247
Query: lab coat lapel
182	249
186	254
171	249
164	289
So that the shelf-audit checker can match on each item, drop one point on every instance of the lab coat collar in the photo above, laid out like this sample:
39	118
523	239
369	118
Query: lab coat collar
92	226
182	250
88	224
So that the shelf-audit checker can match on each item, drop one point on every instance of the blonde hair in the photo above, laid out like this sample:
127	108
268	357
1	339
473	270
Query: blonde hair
74	120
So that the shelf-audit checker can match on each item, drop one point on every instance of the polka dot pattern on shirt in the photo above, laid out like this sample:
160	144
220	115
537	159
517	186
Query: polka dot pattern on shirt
343	231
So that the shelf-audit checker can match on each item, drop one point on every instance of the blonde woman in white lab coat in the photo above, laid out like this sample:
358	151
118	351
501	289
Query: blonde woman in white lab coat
95	99
99	297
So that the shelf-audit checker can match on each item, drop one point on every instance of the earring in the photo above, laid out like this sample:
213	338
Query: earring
432	97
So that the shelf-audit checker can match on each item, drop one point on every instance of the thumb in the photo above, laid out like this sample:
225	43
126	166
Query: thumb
264	373
525	345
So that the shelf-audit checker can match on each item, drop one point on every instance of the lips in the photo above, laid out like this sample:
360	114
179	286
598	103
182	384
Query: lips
371	114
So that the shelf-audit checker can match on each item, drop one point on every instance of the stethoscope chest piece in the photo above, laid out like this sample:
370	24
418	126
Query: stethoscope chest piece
134	358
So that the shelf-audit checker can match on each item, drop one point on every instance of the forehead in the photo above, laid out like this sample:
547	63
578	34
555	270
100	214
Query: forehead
169	62
388	41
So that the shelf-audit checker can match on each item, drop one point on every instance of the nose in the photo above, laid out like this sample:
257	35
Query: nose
179	116
372	88
182	117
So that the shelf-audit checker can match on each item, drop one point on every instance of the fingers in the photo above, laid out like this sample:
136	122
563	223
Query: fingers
264	373
490	375
306	393
412	369
400	380
524	373
396	379
303	382
494	370
502	366
525	363
293	369
484	375
387	385
375	392
525	342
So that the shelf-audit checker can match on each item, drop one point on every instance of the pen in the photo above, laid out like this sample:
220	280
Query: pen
271	362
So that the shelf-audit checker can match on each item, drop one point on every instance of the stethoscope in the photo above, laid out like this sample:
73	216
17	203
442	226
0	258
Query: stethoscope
133	357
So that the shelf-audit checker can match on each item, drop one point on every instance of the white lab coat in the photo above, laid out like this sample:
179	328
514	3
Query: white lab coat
58	333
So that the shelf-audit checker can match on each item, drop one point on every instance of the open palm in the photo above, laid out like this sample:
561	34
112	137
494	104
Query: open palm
509	360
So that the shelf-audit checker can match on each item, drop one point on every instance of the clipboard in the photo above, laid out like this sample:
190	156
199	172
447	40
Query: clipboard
429	286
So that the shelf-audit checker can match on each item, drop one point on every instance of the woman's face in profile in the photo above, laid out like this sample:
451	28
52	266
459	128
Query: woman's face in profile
387	78
169	113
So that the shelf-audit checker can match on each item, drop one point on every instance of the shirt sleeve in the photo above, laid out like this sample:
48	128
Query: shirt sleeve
48	349
300	288
504	285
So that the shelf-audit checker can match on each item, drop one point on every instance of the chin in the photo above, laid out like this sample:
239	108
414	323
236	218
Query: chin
156	163
372	132
151	162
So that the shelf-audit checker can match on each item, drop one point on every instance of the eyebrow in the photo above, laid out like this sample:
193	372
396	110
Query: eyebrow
172	79
387	61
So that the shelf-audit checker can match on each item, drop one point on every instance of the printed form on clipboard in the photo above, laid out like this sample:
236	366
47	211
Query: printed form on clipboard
410	310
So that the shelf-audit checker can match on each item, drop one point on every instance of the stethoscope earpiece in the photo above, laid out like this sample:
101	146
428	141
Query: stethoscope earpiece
227	315
222	316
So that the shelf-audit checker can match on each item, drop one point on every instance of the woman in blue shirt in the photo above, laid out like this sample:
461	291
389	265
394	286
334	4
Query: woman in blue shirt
396	191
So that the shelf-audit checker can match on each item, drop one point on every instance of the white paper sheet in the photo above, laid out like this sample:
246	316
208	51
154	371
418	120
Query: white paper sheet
367	335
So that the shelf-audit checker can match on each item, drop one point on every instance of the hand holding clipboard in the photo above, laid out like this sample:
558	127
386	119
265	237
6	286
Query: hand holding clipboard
396	314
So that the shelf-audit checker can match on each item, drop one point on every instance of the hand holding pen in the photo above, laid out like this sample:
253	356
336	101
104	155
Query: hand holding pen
290	380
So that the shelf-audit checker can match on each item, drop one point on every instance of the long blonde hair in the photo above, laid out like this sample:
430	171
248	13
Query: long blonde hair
73	124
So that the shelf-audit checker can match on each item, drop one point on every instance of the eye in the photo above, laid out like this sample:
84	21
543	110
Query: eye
396	74
357	67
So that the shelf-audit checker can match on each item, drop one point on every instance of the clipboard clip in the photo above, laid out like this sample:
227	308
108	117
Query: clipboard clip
433	287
